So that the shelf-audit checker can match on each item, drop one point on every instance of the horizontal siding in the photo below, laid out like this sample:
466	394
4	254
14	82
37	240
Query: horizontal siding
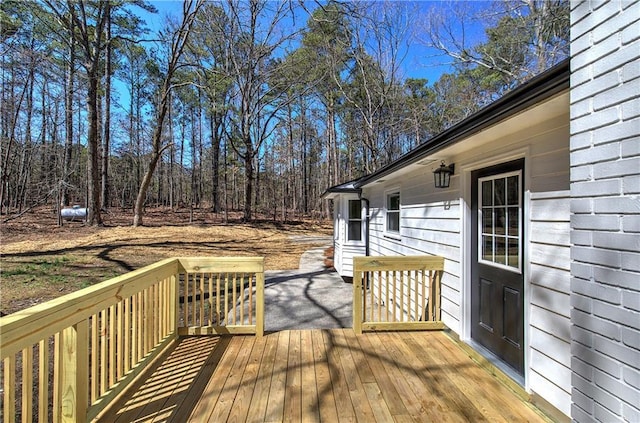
348	252
550	391
549	256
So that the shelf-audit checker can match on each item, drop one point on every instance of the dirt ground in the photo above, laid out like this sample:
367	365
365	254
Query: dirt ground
40	261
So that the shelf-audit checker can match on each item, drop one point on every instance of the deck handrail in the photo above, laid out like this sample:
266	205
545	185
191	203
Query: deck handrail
397	293
89	345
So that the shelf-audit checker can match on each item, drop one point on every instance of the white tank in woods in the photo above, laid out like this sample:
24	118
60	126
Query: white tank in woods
74	213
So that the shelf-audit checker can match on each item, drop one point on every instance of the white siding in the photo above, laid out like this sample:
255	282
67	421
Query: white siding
549	257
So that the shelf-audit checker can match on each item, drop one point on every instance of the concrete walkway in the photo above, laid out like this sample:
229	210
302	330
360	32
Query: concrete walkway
308	298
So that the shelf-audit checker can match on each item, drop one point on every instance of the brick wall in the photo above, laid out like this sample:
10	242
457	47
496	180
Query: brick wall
605	210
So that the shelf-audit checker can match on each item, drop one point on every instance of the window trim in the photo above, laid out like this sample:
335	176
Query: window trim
387	194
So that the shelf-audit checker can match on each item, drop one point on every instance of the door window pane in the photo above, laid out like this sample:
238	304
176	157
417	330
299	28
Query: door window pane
514	253
500	221
500	255
487	193
514	221
498	194
487	248
513	192
487	220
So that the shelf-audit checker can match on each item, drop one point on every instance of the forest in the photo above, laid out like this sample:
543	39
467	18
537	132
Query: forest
244	106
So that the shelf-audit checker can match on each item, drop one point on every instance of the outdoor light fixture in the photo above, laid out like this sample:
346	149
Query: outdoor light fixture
442	175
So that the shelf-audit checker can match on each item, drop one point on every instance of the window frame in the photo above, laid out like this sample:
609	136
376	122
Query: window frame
387	211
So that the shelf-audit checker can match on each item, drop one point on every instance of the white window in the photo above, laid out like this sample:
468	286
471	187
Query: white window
354	222
393	212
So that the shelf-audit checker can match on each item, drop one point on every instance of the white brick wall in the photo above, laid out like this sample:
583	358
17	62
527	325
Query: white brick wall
605	210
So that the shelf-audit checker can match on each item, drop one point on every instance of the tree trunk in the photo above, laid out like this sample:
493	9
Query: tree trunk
93	200
68	113
107	116
215	162
248	185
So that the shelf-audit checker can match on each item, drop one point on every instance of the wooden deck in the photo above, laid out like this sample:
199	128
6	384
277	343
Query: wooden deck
320	375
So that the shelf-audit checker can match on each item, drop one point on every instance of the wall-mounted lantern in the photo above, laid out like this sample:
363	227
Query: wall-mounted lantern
442	175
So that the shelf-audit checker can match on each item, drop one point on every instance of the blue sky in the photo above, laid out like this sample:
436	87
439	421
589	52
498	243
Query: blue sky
420	61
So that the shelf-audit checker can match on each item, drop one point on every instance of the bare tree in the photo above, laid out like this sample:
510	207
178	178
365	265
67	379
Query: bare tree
178	42
255	37
523	37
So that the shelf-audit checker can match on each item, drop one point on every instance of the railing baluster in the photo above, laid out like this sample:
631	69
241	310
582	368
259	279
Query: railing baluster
9	376
235	298
194	302
112	346
371	294
94	357
423	300
251	276
379	281
43	380
363	293
386	284
148	321
103	352
135	328
211	312
416	288
27	388
242	299
432	280
218	295
437	295
185	301
202	296
119	340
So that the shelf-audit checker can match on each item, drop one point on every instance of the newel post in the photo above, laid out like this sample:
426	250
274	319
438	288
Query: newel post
74	379
357	300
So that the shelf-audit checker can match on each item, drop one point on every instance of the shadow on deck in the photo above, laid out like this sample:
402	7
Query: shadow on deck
319	375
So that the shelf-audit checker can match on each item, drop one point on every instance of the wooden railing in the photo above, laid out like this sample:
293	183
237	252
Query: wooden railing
65	360
397	293
221	295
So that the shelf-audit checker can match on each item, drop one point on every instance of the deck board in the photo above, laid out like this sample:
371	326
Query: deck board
320	376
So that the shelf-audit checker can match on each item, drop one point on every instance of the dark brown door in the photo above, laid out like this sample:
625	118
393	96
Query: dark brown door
497	282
